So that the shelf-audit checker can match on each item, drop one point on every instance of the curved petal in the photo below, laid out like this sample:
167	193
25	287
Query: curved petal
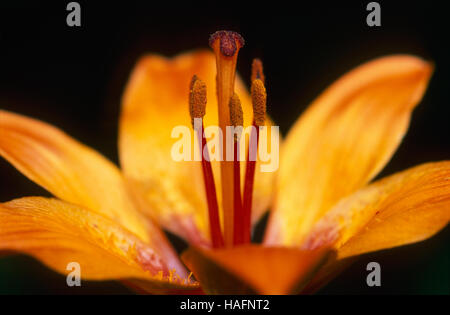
155	101
76	174
254	269
343	140
58	233
401	209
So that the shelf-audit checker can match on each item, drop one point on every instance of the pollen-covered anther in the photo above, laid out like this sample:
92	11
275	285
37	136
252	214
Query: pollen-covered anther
259	99
197	98
228	42
257	70
236	114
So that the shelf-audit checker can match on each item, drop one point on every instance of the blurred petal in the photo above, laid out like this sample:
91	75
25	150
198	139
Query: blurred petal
76	174
343	140
155	101
330	270
404	208
253	269
57	233
66	168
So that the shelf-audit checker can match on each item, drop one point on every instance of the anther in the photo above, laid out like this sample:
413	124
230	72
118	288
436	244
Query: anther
257	70
236	114
259	99
197	98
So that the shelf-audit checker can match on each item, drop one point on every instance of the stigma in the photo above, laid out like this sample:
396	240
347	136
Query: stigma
228	42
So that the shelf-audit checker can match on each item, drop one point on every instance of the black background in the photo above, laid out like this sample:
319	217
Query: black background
74	77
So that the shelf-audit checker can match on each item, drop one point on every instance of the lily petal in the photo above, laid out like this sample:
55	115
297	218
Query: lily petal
57	233
76	174
254	269
343	140
404	208
155	101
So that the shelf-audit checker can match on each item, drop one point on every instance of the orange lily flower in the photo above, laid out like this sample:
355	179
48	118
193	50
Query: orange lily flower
324	210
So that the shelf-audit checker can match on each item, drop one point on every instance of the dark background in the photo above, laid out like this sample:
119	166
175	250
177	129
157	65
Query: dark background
73	78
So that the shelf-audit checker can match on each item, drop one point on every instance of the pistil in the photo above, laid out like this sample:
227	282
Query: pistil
226	46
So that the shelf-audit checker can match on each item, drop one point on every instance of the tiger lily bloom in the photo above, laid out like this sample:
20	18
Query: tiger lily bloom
324	209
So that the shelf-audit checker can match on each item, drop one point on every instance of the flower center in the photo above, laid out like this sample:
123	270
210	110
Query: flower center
236	208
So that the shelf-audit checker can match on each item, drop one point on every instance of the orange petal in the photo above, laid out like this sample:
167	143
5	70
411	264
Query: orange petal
57	233
343	140
401	209
253	269
155	101
74	173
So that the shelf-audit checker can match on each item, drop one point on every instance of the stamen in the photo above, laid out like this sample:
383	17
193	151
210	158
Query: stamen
259	98
197	105
236	117
257	70
226	45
